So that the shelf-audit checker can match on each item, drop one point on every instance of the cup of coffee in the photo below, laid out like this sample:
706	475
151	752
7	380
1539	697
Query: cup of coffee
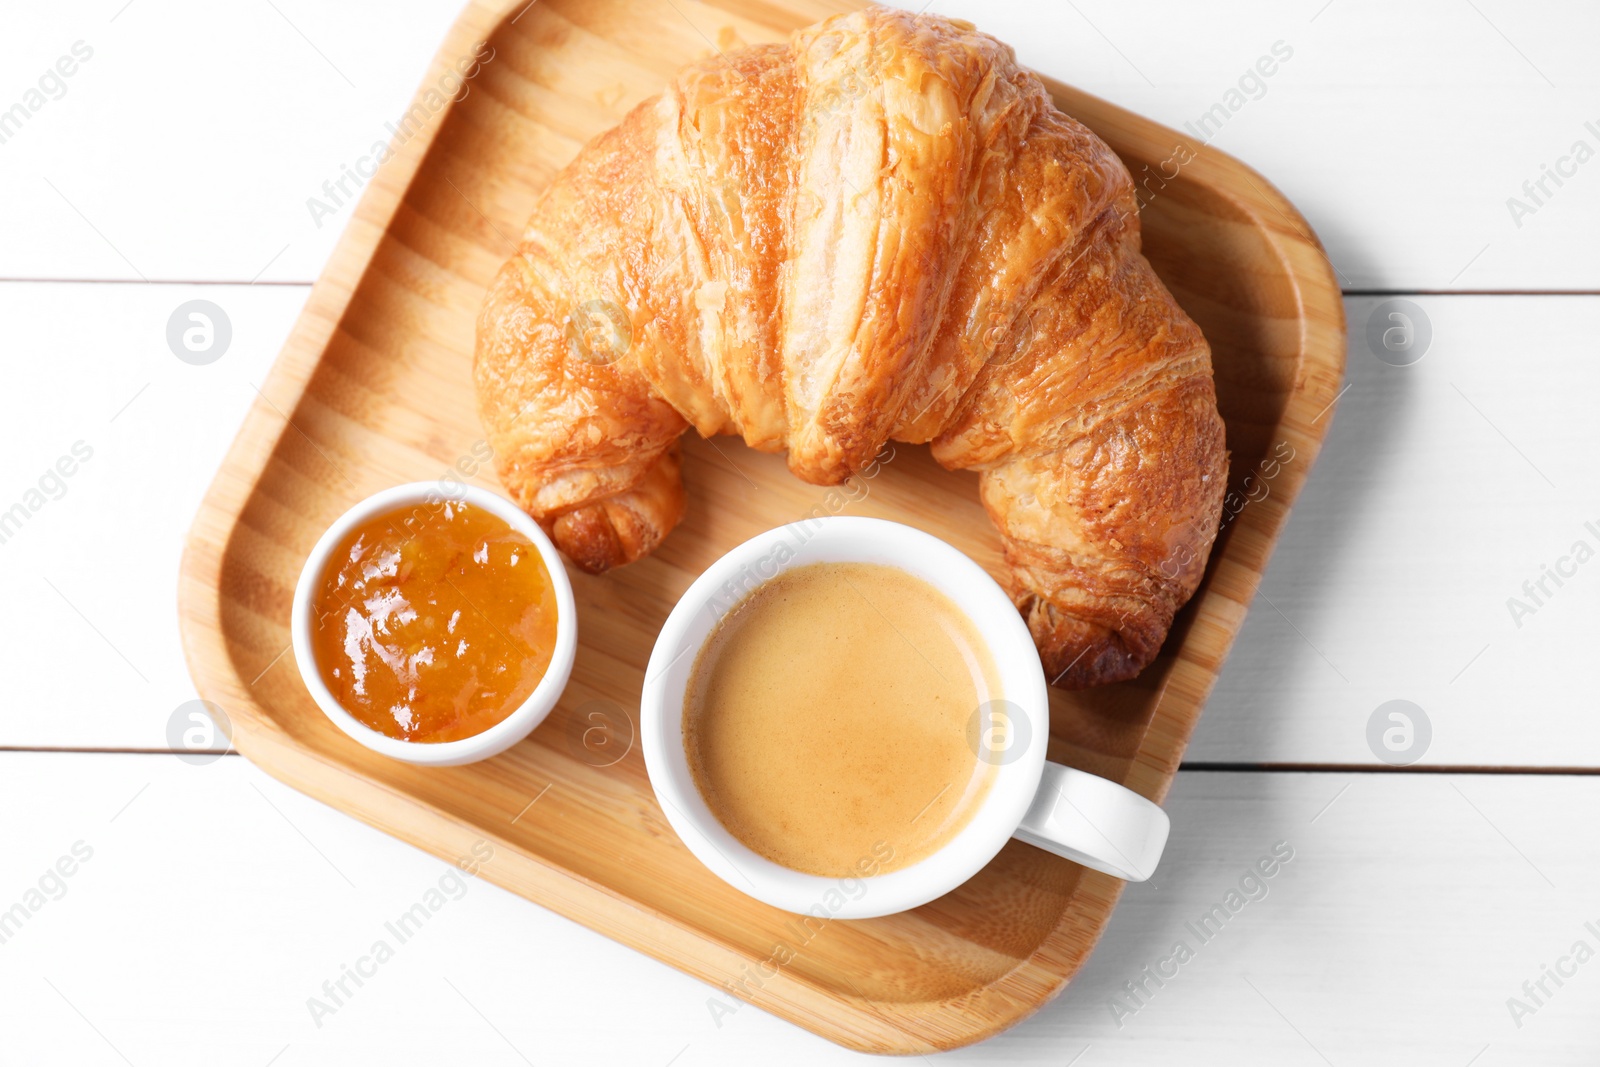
849	713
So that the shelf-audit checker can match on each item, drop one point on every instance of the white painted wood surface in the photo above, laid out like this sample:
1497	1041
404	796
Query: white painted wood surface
193	138
1429	510
216	901
1443	487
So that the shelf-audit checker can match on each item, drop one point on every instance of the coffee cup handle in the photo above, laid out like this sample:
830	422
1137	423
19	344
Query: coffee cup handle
1096	822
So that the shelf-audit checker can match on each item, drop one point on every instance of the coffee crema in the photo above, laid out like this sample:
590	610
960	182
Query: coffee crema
827	721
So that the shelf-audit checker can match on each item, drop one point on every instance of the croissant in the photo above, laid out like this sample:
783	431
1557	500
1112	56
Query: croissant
883	230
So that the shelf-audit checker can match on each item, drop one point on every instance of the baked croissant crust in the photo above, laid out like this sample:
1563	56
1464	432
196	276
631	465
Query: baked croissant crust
883	230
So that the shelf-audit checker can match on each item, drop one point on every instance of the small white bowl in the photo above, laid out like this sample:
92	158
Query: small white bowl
512	728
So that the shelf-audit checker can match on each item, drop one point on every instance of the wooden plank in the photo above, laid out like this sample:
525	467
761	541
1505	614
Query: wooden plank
1366	127
1446	486
95	555
1364	124
215	904
1397	565
186	146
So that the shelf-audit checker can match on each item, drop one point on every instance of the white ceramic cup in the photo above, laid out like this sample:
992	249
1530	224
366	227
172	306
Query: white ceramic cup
503	734
1069	812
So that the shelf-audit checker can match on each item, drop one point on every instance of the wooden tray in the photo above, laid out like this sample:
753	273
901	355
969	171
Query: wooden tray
373	388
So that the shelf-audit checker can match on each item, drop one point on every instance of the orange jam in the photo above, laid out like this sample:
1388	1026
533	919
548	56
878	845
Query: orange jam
434	622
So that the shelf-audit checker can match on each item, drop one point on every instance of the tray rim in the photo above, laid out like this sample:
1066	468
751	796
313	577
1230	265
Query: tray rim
908	1027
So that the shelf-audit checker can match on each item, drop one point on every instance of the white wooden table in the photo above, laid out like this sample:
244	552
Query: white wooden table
206	903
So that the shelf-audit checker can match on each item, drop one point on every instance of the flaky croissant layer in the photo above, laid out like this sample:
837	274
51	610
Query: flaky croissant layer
881	231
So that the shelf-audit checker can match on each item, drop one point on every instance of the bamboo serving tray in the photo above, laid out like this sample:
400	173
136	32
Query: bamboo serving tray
373	388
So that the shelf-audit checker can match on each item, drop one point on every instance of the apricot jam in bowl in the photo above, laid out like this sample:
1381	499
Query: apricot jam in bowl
433	626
